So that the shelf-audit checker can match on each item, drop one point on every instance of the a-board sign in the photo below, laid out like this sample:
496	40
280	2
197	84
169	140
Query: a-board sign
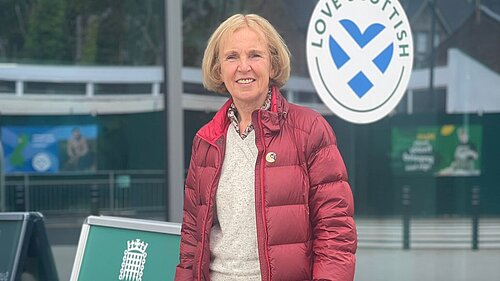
24	248
114	248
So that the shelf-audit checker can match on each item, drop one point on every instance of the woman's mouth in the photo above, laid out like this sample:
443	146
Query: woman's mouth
245	81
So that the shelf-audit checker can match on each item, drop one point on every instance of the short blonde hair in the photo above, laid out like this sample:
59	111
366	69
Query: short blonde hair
279	53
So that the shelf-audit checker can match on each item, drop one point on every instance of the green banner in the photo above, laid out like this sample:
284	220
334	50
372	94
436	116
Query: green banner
447	150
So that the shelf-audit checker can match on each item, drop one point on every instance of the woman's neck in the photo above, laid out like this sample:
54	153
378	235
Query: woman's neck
246	109
245	115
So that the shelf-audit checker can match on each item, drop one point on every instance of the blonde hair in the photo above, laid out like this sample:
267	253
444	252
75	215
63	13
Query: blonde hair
279	53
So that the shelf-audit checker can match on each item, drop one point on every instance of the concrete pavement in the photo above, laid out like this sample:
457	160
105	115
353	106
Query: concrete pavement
441	250
382	264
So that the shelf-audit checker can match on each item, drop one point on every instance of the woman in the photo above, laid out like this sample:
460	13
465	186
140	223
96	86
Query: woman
266	196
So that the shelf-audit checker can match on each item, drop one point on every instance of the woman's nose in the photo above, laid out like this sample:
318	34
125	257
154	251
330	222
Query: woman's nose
244	65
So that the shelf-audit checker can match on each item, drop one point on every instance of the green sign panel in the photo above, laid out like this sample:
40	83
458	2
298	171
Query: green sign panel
447	150
125	249
10	235
25	252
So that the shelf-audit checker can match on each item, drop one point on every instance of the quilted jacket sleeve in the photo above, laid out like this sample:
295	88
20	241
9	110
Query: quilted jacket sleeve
184	270
331	207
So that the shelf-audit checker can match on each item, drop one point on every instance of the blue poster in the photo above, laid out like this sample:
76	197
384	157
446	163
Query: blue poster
49	149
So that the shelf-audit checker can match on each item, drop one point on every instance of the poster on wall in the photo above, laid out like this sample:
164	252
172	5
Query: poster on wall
40	149
447	150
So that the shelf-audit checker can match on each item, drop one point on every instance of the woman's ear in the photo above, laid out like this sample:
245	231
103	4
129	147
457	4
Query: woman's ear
272	73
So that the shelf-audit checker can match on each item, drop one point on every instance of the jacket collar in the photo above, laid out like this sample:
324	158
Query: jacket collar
271	119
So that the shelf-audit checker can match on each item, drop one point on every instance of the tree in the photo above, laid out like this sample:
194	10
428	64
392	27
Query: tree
47	36
200	18
13	22
143	36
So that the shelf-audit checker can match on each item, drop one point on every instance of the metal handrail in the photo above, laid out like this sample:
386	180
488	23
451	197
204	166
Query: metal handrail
77	192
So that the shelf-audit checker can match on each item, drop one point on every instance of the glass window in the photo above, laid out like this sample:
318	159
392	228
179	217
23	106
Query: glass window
123	89
81	84
81	110
49	88
7	87
423	175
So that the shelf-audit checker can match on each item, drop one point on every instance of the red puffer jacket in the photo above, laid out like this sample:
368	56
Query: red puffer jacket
304	205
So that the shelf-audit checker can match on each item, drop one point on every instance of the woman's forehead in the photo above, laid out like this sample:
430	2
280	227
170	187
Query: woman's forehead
229	36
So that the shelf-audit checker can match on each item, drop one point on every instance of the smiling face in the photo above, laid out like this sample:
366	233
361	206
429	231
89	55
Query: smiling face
245	66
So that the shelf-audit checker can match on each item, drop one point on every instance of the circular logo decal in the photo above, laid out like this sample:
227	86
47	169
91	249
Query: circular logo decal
360	56
41	162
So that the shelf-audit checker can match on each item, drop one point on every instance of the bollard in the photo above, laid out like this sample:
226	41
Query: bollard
475	217
94	200
406	201
20	199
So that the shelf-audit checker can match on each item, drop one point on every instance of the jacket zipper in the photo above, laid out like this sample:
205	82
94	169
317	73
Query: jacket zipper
262	164
208	209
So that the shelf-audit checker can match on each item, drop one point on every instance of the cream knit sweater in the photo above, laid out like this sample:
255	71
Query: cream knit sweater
233	238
